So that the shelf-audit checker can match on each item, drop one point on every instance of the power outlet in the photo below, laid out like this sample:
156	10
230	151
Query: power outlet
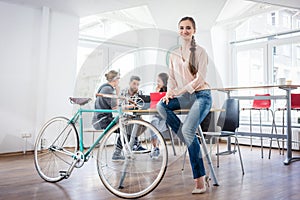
26	135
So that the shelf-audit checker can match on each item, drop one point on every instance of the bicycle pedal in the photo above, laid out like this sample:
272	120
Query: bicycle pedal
64	174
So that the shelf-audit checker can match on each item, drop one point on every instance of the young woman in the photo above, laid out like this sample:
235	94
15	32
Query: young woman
101	120
162	82
157	120
187	88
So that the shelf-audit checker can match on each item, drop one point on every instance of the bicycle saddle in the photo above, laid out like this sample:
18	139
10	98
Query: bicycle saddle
80	101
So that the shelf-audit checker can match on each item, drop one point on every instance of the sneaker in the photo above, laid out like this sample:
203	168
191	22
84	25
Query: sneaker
118	156
139	149
154	153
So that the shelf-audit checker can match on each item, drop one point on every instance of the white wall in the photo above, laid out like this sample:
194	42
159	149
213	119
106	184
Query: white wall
38	67
221	53
214	76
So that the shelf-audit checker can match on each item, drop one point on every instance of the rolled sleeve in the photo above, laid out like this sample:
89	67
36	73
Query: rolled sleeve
189	87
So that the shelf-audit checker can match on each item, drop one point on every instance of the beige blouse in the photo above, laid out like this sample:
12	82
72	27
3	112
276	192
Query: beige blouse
181	77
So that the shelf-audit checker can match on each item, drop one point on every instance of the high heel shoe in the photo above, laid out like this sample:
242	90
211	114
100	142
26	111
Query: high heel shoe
199	191
207	179
202	190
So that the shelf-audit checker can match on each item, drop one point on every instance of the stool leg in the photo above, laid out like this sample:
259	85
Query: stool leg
283	132
172	139
250	130
275	128
261	139
218	152
184	157
210	145
272	131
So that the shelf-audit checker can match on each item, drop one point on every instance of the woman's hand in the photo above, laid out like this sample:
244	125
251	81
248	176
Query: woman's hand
117	88
130	106
169	95
157	89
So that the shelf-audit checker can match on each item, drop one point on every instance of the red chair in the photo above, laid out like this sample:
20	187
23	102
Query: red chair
295	105
295	102
259	105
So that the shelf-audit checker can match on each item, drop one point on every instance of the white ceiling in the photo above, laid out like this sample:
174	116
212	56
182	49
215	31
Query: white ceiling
80	8
284	3
166	13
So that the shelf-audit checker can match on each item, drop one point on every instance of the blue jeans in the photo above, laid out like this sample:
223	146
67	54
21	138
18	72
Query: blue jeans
199	104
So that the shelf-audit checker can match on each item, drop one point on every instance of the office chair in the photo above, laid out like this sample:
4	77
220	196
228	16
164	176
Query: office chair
229	122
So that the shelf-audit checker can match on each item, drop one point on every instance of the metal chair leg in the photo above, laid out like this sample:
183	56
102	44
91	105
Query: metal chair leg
261	138
250	130
283	132
272	131
184	157
172	140
240	155
218	153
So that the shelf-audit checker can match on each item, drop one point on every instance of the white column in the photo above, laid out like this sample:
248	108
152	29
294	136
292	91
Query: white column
42	70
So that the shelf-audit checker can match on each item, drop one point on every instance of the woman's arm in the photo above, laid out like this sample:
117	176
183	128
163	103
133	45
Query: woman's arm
172	84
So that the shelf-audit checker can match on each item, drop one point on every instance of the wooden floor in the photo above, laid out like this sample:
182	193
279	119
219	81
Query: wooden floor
263	179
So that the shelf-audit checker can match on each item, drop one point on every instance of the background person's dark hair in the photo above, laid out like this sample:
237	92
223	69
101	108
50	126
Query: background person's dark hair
137	78
192	65
164	77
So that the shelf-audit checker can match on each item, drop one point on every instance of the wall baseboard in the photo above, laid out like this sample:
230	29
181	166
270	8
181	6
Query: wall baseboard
18	153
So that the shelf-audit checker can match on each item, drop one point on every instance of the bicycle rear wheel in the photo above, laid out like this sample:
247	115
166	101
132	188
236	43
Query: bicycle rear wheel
55	145
139	173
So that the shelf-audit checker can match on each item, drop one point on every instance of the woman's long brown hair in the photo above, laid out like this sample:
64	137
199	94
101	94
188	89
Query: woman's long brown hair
192	61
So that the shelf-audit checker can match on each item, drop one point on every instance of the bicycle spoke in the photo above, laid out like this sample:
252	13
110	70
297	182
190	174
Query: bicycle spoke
138	174
55	147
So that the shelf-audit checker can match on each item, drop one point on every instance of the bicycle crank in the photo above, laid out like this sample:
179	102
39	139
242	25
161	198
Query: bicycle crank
79	159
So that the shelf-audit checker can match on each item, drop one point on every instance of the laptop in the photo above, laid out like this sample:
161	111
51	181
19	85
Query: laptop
155	98
146	99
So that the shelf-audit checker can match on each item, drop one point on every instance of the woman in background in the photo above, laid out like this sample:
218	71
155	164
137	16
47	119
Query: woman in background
100	119
157	120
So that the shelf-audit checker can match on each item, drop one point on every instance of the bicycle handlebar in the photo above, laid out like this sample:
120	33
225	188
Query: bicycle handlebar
116	97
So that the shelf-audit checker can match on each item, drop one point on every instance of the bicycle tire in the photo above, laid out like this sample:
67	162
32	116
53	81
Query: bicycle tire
56	136
139	174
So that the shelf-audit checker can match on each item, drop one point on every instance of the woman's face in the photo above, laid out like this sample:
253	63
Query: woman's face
116	82
159	82
186	29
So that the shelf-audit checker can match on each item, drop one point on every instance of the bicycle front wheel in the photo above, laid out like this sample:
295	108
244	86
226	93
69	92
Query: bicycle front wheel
139	170
54	149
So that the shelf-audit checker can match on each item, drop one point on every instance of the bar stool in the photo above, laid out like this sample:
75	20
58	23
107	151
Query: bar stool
295	105
259	105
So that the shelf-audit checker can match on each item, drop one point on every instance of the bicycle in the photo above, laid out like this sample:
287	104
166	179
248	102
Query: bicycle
59	149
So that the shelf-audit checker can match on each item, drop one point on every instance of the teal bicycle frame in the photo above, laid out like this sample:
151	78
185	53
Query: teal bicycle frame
78	115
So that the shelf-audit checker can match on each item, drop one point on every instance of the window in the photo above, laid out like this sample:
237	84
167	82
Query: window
274	50
273	19
297	23
286	21
264	61
100	50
